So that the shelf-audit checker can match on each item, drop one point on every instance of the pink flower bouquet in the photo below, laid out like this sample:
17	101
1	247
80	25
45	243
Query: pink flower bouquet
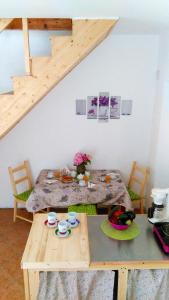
80	161
81	158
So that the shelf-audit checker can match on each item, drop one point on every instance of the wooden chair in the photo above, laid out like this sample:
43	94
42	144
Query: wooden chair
24	179
138	178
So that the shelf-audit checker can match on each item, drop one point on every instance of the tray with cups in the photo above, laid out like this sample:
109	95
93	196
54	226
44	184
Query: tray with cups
53	176
63	227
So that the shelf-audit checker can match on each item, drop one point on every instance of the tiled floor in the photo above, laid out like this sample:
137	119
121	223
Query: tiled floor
13	237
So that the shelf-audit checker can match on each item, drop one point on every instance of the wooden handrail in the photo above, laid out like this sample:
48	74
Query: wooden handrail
42	24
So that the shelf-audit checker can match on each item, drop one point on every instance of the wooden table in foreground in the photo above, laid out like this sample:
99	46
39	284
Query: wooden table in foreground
89	249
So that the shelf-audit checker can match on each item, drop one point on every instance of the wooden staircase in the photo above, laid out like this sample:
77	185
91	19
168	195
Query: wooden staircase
46	72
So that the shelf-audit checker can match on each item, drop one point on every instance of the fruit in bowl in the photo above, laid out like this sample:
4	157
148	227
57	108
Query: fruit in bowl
119	218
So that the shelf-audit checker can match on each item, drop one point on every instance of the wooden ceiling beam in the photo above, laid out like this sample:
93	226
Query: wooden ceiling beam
4	23
42	24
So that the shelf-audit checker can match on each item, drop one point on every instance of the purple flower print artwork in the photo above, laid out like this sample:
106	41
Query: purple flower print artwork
113	102
103	106
80	107
92	102
103	101
115	107
91	112
126	107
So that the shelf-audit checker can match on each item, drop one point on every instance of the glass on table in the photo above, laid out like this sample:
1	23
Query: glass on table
86	178
50	175
57	173
107	178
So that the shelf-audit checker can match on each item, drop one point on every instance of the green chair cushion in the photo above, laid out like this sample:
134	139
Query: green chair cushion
89	209
24	196
133	195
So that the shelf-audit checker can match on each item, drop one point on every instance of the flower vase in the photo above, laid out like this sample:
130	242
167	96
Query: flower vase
81	169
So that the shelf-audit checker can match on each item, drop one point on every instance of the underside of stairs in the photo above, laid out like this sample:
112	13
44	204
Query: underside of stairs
46	72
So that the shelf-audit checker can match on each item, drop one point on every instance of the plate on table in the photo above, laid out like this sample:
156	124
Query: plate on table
67	234
50	181
122	235
67	179
51	226
74	225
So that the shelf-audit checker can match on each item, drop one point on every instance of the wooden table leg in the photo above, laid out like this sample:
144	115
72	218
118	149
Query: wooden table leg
122	284
26	284
33	283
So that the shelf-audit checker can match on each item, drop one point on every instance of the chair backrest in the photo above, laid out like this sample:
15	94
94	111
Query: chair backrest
20	175
138	177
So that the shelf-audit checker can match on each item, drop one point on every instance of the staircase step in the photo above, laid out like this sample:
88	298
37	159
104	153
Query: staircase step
7	93
20	82
38	63
58	43
86	34
6	101
81	26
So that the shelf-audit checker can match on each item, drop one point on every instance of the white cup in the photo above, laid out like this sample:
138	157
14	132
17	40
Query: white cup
91	185
82	182
52	218
50	175
73	174
87	173
102	178
63	226
112	175
72	217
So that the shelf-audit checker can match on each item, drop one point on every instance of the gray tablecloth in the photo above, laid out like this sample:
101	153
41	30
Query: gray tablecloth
60	194
87	285
99	285
148	285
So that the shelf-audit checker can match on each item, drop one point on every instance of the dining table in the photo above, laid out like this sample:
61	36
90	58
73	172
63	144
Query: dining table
57	194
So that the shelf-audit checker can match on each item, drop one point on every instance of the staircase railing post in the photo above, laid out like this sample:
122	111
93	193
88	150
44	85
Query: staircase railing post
26	45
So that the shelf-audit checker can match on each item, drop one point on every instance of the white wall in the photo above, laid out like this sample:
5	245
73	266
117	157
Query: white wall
51	133
159	154
161	176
